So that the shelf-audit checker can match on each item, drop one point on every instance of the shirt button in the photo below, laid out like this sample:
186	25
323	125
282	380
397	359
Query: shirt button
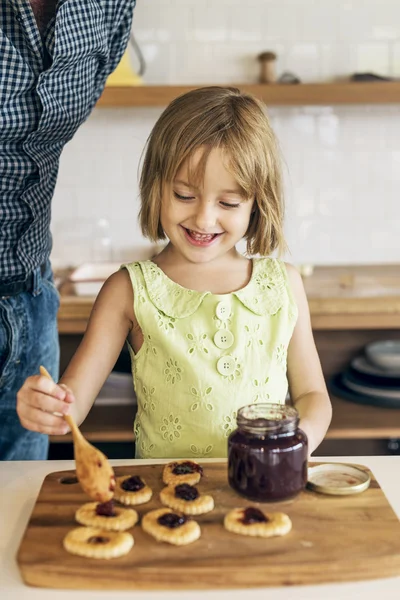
226	365
223	310
223	339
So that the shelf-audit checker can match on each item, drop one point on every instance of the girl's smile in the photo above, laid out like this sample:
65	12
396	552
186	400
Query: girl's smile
200	239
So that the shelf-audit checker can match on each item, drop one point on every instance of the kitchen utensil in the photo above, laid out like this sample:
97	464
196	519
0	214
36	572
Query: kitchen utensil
93	470
333	538
124	75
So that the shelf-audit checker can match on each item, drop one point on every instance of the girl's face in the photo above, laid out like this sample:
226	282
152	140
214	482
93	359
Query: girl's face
205	223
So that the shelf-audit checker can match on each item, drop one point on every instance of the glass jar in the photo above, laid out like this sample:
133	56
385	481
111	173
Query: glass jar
267	453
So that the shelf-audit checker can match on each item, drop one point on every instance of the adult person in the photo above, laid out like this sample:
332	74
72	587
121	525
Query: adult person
55	57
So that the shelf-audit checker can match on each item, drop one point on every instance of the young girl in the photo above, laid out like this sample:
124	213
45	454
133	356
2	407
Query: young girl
209	330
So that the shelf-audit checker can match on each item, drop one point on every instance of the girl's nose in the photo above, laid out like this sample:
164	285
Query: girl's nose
206	217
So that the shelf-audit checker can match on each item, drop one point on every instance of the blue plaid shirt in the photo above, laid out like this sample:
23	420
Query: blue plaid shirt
48	87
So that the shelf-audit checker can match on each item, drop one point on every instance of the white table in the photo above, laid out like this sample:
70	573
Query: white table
20	483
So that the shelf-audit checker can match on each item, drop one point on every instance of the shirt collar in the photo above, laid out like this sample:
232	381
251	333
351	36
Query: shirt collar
263	295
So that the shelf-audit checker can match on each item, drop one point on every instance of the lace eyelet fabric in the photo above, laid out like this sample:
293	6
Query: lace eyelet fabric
206	355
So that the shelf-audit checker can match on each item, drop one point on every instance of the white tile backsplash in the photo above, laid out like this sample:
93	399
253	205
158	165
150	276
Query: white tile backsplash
341	163
210	23
395	60
194	67
372	57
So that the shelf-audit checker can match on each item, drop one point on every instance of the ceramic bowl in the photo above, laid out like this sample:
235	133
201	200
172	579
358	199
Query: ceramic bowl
384	354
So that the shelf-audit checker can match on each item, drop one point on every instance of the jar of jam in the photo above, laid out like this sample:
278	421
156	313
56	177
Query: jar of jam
267	453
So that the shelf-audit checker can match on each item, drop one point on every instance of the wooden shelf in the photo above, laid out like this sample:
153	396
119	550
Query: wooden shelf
349	421
386	92
361	421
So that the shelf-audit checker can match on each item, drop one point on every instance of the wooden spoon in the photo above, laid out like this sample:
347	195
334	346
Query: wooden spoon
93	470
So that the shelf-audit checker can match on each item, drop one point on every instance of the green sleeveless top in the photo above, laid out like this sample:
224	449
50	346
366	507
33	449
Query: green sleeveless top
204	356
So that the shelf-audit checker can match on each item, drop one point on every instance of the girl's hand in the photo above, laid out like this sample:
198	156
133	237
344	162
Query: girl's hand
41	404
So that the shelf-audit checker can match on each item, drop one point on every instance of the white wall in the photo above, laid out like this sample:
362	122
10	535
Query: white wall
342	163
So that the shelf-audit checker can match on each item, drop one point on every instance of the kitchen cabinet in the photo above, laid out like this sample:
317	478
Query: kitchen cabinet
382	92
350	306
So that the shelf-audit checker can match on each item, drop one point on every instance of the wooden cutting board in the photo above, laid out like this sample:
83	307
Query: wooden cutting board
334	538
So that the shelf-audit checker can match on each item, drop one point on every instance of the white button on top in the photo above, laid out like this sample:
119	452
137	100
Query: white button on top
226	365
223	339
223	310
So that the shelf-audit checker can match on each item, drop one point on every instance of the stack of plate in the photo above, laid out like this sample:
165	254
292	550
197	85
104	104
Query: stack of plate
372	378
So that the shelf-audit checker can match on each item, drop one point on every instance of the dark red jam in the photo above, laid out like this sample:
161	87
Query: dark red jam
132	484
267	453
97	539
253	515
106	509
186	492
187	467
172	520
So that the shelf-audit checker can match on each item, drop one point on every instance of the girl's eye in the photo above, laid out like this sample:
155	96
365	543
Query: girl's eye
180	197
230	205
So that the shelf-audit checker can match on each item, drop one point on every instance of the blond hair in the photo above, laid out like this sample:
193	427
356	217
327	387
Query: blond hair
220	117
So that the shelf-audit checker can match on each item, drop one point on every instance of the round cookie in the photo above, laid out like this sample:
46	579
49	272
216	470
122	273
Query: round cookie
182	471
252	521
97	543
186	499
167	526
106	516
132	490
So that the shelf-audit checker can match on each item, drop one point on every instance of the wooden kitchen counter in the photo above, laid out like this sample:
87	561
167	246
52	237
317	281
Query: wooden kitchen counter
340	297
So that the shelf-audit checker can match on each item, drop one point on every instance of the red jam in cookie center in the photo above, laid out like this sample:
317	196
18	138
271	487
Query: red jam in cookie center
253	515
132	484
106	509
186	468
186	492
171	520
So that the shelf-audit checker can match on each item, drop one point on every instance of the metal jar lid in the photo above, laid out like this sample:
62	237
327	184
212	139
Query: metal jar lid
337	479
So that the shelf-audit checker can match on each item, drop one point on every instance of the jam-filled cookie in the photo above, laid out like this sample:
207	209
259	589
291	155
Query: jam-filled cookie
106	516
167	526
132	490
182	471
93	542
186	499
252	521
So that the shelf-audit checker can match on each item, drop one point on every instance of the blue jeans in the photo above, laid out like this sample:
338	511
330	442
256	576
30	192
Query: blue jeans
28	339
